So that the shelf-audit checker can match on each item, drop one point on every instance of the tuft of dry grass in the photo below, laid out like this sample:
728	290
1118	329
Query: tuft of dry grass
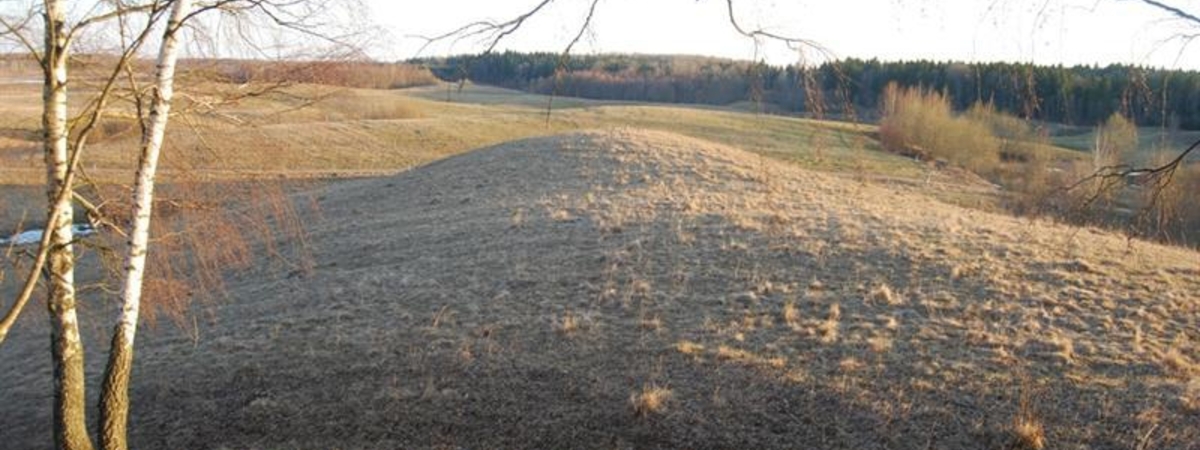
689	348
791	314
880	344
1176	363
653	323
1190	398
885	295
1028	433
650	400
568	324
562	215
828	330
1065	346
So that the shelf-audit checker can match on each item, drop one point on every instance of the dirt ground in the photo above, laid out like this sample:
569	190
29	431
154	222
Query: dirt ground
636	289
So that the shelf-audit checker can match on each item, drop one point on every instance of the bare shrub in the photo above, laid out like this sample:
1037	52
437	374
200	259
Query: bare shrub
1016	139
1185	205
1116	141
1171	212
919	122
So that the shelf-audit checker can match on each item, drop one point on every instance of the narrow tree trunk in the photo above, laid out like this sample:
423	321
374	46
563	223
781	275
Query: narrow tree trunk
70	419
114	396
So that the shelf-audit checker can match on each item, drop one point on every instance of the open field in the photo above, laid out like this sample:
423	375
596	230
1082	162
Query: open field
369	130
320	132
534	294
665	278
1151	140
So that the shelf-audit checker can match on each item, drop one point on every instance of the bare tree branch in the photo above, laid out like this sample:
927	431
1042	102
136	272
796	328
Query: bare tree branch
566	56
95	113
1178	13
16	30
119	12
1109	179
794	43
494	31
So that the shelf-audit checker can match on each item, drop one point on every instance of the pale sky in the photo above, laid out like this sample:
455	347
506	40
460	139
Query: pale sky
1042	31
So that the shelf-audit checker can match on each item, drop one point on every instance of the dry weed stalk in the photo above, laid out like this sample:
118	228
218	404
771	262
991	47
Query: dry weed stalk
1028	433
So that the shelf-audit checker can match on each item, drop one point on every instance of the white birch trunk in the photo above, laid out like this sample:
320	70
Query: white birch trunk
114	401
70	420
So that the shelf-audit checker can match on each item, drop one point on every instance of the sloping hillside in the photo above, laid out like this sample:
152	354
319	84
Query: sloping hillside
637	289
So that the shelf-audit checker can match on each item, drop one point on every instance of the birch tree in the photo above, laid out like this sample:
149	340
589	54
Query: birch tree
114	397
70	400
135	22
56	255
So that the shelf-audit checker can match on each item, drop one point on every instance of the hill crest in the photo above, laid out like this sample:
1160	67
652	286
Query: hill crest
520	295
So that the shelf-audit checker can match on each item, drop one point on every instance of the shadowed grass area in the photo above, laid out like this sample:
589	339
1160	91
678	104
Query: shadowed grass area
641	289
644	287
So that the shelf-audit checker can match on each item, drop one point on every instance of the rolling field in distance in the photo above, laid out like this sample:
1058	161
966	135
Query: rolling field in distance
621	275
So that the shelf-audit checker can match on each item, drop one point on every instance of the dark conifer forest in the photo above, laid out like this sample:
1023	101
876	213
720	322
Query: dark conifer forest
1072	95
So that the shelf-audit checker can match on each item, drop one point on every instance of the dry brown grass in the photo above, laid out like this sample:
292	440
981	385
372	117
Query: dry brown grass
884	294
569	324
1028	434
1176	362
651	400
1190	398
711	241
791	314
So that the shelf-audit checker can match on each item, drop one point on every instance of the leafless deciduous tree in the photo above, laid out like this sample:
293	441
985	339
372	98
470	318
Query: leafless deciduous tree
114	397
137	24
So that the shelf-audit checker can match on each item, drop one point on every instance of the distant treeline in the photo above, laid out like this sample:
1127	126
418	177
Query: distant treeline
351	73
1076	95
354	74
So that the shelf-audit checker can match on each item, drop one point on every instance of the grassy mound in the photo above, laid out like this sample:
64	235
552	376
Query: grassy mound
629	288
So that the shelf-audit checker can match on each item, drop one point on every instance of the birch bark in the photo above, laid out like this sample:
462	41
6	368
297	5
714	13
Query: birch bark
114	396
70	418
